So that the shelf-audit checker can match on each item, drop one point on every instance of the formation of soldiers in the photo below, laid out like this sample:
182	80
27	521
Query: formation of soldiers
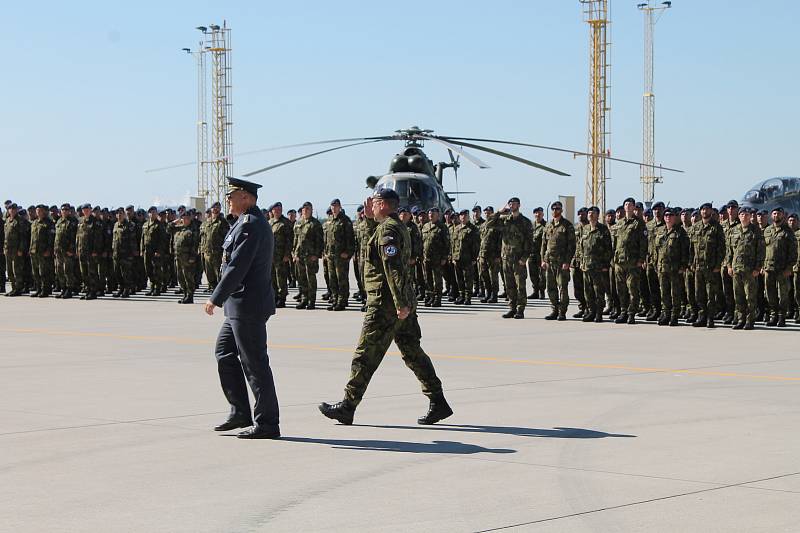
665	265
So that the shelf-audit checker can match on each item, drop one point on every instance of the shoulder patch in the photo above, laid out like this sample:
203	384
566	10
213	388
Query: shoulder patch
390	250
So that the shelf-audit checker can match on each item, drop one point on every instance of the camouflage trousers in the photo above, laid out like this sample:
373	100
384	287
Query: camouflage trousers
516	277
15	266
357	272
707	288
88	265
691	300
465	277
653	288
670	284
628	283
558	287
433	278
211	265
307	279
2	271
43	272
154	269
338	279
186	271
777	288
744	294
489	269
380	327
105	271
727	291
796	287
66	271
280	277
123	272
613	296
595	286
535	273
577	287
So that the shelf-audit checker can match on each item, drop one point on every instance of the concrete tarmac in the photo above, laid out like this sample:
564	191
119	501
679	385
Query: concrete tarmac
107	409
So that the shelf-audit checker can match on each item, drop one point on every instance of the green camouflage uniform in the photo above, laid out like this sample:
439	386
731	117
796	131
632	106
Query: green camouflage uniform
416	250
15	248
535	259
612	280
308	245
726	280
745	255
185	246
577	273
42	236
688	276
89	247
105	264
124	245
780	257
281	255
339	240
489	256
631	249
596	252
435	250
387	281
558	248
154	245
366	228
654	227
708	254
672	259
66	260
466	246
517	239
215	232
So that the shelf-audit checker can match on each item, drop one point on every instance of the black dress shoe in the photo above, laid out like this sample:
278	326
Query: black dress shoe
234	423
260	432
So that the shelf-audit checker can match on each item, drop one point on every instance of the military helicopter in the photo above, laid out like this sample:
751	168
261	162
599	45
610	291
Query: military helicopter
416	179
774	192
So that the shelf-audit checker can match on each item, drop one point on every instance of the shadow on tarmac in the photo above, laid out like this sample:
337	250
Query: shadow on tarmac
554	433
437	446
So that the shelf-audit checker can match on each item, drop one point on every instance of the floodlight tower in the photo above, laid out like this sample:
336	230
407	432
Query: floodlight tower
218	45
652	13
596	14
203	185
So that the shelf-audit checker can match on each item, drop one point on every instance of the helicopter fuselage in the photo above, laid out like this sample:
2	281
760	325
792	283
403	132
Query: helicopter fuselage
416	189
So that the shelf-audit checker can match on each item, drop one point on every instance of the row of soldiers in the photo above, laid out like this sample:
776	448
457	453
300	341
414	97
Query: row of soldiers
89	251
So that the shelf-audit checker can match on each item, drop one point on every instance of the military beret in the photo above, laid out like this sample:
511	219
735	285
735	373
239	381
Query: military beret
86	206
659	205
620	208
793	215
538	210
140	211
416	210
336	201
706	205
732	203
130	207
31	207
402	210
208	211
8	203
238	184
476	209
648	212
594	209
41	206
306	204
763	212
628	199
53	207
385	194
582	210
359	208
639	205
488	208
779	209
217	205
96	208
433	210
13	206
270	208
669	212
66	206
464	212
104	210
610	212
181	208
291	211
513	199
556	205
186	213
152	208
119	210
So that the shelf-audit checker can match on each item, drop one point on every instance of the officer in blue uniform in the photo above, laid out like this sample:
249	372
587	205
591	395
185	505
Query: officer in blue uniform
245	291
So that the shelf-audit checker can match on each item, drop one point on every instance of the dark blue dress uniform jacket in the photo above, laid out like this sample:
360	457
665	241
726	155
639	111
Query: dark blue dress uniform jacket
245	288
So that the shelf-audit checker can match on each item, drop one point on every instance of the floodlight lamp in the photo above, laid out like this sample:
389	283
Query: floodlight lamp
202	28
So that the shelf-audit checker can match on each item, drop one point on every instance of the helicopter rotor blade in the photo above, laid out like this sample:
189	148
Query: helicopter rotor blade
508	156
564	150
259	171
471	158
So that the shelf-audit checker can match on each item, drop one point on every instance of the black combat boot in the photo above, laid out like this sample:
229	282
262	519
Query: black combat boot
189	299
749	324
297	297
631	319
34	294
760	316
493	299
644	312
728	319
663	320
673	321
720	315
781	321
589	317
503	295
598	318
520	314
510	313
552	316
621	319
117	294
562	316
311	305
708	323
701	321
330	306
66	295
773	320
484	299
459	300
428	301
302	305
326	296
653	316
739	325
579	314
692	318
281	303
340	306
533	295
437	301
614	314
182	300
468	300
126	293
92	295
437	410
342	411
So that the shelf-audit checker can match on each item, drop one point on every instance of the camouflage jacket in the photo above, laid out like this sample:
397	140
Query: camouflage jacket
672	249
14	239
781	248
576	258
339	237
708	245
558	242
654	227
308	238
185	242
517	236
89	237
727	226
595	246
283	238
435	241
491	240
416	240
43	233
746	249
387	274
631	242
365	228
215	231
538	234
797	263
466	243
154	238
66	231
123	241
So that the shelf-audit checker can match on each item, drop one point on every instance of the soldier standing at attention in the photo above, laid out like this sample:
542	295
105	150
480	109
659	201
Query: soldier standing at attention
477	221
291	214
517	239
89	245
672	259
358	295
730	221
282	253
466	246
629	258
796	269
154	243
308	244
216	229
416	243
558	249
535	260
577	274
780	257
245	292
43	233
688	277
64	249
391	316
339	247
745	260
612	297
708	244
124	245
489	256
436	249
596	253
185	246
654	227
420	219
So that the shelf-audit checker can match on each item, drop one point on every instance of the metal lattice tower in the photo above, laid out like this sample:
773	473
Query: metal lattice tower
652	13
596	14
203	185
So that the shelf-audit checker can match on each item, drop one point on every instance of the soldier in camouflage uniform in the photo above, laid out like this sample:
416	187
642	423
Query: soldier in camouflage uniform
435	249
186	243
728	223
154	245
477	221
629	259
535	271
448	271
672	260
558	250
612	306
391	316
517	239
339	248
466	246
105	264
577	274
596	252
654	228
359	294
780	257
416	242
2	253
43	233
745	259
690	302
216	229
65	253
124	247
281	254
308	246
89	248
489	255
420	219
708	254
796	277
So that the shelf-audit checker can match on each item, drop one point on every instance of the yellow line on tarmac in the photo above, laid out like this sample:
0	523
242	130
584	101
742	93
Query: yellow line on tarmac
308	347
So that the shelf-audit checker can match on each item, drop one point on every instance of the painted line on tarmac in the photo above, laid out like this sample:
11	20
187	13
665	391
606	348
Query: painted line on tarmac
310	347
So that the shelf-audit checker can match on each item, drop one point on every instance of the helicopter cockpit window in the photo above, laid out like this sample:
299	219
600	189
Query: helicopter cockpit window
772	189
420	192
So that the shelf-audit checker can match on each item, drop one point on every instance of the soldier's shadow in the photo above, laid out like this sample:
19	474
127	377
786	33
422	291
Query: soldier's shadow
554	433
435	447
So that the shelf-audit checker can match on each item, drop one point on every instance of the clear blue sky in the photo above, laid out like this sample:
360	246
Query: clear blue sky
95	93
